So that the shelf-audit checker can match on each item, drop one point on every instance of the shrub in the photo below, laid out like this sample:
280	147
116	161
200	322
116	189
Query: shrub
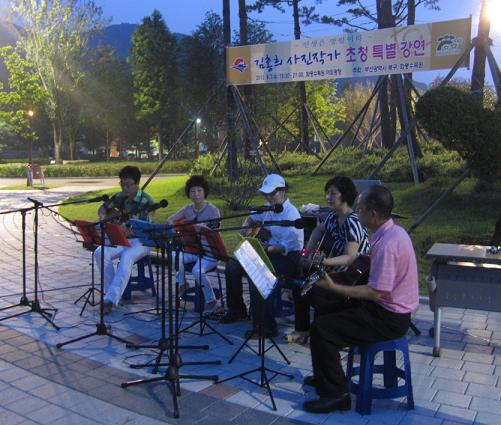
238	193
93	169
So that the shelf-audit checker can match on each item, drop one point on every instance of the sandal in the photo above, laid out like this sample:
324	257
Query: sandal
297	337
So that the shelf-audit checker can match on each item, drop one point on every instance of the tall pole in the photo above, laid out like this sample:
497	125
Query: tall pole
302	86
230	102
244	40
480	53
31	114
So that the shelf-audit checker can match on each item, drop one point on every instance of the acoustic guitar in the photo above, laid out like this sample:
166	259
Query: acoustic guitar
356	274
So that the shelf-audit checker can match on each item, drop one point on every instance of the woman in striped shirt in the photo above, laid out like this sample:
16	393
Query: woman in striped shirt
348	240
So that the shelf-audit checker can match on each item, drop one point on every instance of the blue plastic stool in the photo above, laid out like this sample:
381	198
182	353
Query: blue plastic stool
141	282
364	390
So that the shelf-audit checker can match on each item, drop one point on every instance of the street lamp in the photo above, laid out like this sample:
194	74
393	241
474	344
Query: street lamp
31	114
197	123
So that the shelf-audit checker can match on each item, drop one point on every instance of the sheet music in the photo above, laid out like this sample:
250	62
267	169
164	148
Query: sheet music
262	277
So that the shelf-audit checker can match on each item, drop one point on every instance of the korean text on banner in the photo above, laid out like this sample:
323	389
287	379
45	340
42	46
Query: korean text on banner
397	50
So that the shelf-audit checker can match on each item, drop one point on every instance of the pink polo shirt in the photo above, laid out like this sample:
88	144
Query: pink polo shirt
393	268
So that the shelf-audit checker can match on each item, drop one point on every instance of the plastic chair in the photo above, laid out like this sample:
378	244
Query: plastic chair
364	390
141	282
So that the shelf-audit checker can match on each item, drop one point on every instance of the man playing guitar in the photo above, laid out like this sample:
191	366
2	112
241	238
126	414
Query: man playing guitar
283	248
380	310
131	202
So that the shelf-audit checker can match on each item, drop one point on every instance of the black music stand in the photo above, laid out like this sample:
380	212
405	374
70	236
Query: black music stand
23	301
115	239
264	381
91	239
47	313
171	375
192	240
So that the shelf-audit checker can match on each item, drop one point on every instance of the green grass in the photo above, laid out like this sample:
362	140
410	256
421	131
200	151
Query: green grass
465	216
25	187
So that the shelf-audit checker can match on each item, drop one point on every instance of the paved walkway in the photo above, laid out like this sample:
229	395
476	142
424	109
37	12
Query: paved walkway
80	384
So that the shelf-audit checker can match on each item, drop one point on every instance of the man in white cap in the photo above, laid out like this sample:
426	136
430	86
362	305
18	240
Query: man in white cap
283	248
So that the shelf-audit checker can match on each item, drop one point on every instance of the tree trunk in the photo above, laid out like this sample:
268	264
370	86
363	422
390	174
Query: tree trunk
230	105
496	237
107	149
244	40
160	144
72	146
388	129
58	142
302	87
411	20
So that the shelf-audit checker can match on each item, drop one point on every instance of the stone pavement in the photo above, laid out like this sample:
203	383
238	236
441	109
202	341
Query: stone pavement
80	384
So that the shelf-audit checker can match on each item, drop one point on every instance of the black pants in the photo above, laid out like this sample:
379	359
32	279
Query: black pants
286	267
363	323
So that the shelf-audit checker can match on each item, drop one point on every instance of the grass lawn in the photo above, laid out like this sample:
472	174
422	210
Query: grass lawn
465	216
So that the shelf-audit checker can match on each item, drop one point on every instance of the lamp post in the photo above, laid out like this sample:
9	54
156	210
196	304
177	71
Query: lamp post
31	114
197	123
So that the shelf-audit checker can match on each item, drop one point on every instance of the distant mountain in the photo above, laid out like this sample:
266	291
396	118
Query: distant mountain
120	37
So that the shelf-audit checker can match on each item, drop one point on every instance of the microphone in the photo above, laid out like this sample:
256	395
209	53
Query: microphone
298	223
102	198
150	208
278	208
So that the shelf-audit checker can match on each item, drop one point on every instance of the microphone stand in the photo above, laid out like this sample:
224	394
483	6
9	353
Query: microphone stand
170	344
89	293
47	313
23	301
101	328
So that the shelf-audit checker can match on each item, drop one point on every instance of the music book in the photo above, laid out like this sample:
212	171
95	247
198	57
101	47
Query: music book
89	232
258	246
116	234
253	262
215	243
188	234
151	234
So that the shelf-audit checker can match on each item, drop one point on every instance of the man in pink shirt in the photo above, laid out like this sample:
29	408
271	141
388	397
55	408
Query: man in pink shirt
376	312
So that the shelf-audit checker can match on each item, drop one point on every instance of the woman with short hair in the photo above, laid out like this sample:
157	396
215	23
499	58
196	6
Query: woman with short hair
348	239
197	189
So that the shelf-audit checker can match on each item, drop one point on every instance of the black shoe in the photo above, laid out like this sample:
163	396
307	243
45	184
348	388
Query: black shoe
328	404
232	318
309	380
254	334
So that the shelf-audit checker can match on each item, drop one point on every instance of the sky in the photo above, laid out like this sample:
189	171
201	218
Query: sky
183	16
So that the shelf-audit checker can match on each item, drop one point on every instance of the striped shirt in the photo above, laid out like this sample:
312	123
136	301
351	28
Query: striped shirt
350	231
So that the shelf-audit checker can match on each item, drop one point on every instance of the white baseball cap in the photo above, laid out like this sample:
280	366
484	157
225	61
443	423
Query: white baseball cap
271	183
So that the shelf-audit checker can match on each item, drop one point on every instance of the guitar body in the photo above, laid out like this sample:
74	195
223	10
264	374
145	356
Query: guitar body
356	274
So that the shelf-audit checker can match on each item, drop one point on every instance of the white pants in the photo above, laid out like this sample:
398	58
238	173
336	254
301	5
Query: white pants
206	264
115	282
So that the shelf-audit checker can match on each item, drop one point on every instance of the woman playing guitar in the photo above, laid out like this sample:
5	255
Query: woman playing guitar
349	240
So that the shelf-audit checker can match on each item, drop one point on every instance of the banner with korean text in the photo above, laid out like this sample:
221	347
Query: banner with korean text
437	45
